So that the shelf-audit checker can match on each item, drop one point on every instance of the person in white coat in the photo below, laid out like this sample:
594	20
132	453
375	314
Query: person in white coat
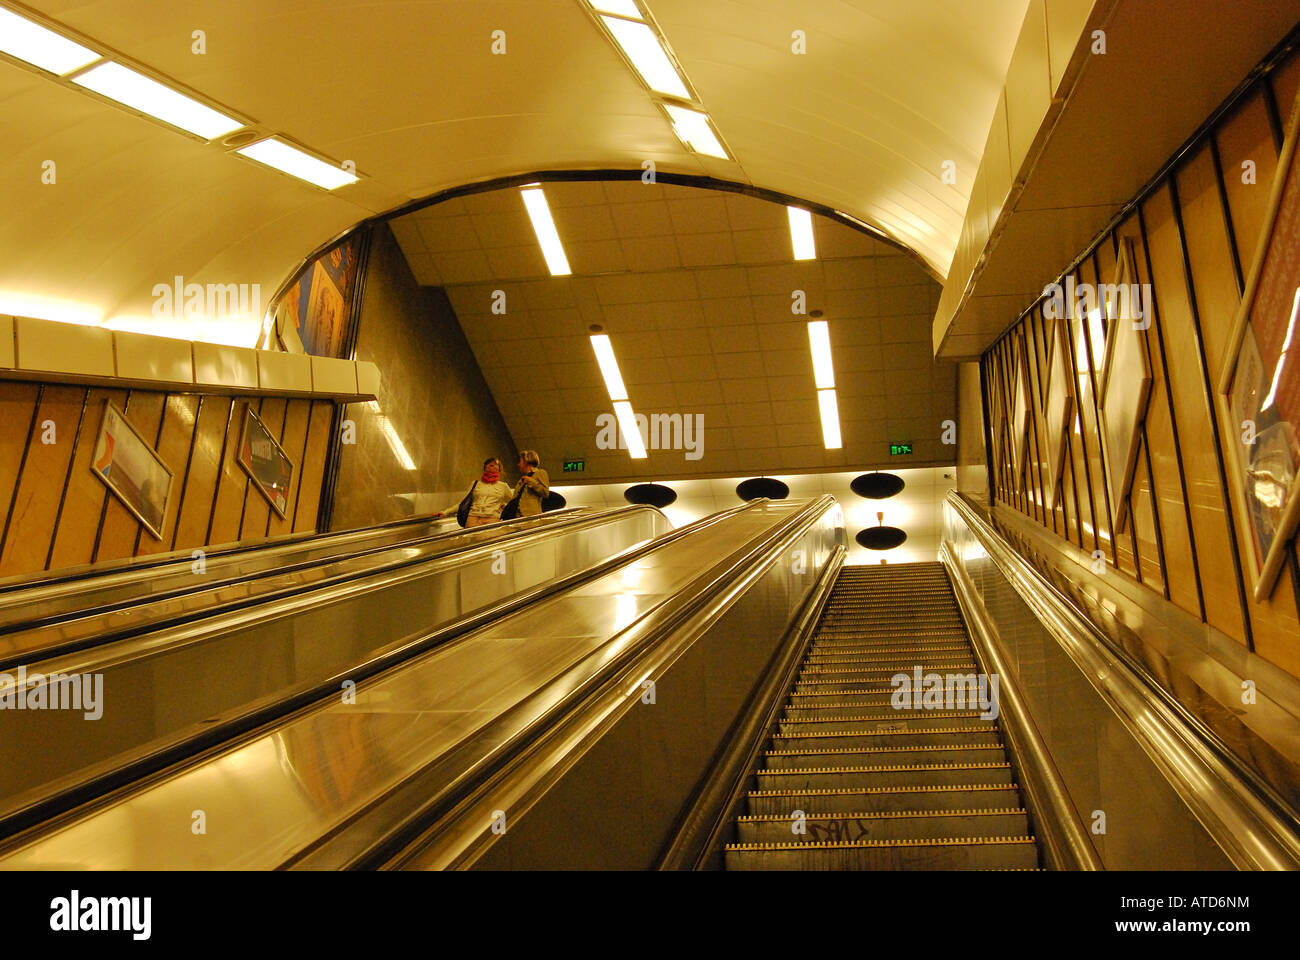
488	496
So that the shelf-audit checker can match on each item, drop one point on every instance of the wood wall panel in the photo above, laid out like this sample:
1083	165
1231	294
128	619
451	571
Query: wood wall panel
119	528
57	513
313	466
1195	234
1247	136
83	503
173	448
257	509
228	509
294	441
201	477
17	420
40	487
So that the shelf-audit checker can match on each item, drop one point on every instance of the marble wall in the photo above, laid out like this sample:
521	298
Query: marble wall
423	442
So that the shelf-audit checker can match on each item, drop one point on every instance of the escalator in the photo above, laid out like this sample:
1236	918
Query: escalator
182	672
865	774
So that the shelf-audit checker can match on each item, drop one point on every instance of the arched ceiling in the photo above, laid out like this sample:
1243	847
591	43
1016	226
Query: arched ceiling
410	91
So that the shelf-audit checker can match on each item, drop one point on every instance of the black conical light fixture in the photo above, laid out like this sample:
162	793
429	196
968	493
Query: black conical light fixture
881	537
877	485
757	487
650	494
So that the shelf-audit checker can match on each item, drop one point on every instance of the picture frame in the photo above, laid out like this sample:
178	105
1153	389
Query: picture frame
1058	407
132	470
1258	392
1125	390
268	467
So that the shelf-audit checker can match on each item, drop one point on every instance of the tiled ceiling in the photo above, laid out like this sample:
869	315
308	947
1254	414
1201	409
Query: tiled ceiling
918	509
695	288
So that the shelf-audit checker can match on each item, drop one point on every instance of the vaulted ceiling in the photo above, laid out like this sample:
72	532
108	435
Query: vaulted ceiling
863	123
695	289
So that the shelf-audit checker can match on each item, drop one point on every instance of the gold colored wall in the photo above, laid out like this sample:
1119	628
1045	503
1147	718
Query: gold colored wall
56	513
1194	234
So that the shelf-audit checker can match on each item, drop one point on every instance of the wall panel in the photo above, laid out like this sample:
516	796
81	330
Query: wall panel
1195	233
83	503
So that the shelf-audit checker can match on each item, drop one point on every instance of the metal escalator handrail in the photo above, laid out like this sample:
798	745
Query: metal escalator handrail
126	567
525	759
25	596
216	737
1066	842
152	615
697	842
1253	826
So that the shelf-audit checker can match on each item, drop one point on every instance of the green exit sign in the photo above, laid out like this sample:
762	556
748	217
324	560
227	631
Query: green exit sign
575	466
895	449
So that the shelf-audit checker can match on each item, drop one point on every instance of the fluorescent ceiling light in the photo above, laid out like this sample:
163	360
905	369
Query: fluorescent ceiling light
642	46
296	163
142	93
692	127
608	366
801	234
547	235
43	48
631	432
819	339
830	419
623	8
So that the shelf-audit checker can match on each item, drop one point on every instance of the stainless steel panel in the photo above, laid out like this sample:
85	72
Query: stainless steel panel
268	797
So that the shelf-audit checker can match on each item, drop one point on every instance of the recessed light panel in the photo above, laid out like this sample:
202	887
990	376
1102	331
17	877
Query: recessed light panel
135	90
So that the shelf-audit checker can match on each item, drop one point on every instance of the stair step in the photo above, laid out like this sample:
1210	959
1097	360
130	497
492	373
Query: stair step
889	654
881	799
982	733
969	853
878	722
885	671
883	825
854	755
884	774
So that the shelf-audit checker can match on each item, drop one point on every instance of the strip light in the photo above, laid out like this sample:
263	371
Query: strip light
147	95
41	47
801	234
621	8
618	393
544	226
280	156
819	341
641	45
830	411
694	130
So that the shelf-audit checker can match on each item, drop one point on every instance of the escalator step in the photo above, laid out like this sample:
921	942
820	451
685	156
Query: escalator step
878	722
899	775
885	670
946	853
834	756
877	799
884	825
825	739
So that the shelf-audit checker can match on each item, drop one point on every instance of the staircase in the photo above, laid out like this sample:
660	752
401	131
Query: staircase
851	782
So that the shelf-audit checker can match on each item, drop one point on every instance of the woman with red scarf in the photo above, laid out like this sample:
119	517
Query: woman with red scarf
488	496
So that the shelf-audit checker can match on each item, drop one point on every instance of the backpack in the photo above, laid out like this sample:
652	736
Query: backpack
462	512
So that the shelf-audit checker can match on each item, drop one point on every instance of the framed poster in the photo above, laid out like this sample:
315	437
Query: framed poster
131	470
1125	389
1258	393
1058	409
266	464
